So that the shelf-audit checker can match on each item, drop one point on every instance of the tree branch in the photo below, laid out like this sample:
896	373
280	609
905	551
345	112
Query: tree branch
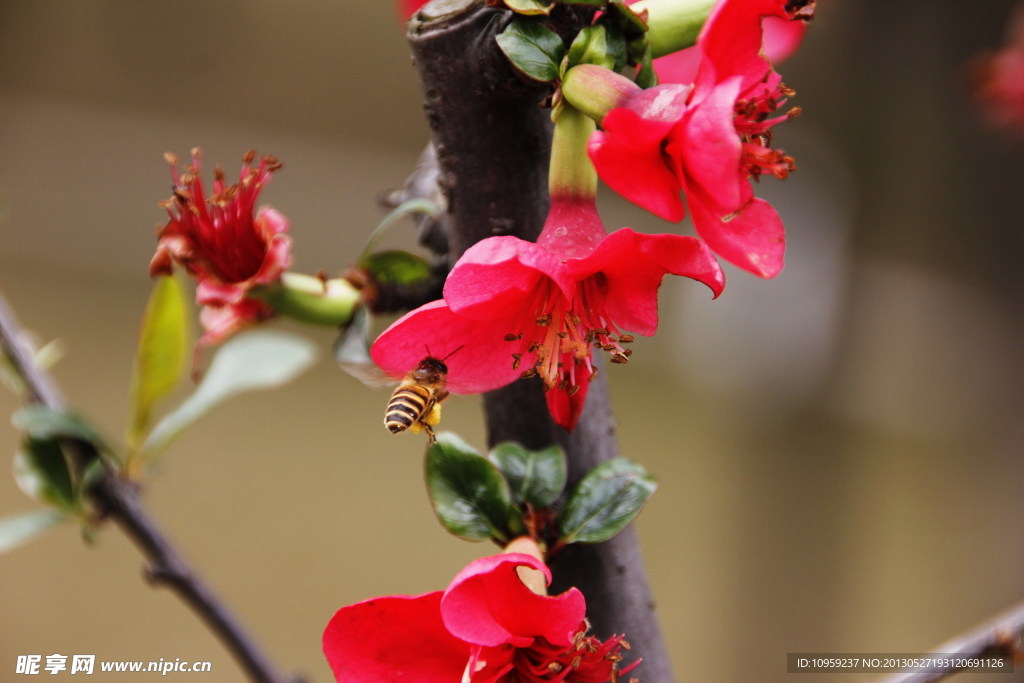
999	637
118	499
493	144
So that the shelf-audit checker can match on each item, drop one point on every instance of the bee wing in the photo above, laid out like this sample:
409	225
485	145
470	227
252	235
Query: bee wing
352	352
369	374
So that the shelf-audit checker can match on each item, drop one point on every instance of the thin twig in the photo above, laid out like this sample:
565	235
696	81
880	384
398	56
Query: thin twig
118	499
999	637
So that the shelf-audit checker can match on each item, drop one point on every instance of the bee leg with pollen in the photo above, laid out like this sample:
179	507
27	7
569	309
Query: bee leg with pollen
430	419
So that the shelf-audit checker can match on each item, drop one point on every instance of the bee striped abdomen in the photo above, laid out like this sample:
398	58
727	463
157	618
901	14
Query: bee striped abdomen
407	406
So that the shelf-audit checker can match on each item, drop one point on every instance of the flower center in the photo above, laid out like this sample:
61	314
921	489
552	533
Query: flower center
586	660
224	233
751	118
559	343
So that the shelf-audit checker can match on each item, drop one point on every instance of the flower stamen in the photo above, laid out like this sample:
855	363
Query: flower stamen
562	352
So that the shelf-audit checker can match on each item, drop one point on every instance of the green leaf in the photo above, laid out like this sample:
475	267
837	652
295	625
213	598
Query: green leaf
647	78
605	501
256	360
591	46
397	267
41	472
534	50
161	354
529	7
416	205
468	493
631	22
534	477
41	467
42	423
18	529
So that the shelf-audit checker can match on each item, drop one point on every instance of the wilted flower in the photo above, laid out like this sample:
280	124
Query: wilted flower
224	242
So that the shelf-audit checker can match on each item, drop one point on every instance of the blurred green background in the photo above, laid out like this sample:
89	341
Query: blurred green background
839	450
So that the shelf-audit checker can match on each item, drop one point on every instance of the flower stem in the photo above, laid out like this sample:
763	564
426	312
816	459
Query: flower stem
311	299
595	91
673	25
571	175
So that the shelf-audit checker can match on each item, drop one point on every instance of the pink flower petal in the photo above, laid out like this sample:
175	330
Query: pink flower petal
270	222
782	37
277	259
753	238
483	362
732	38
488	604
707	149
392	639
678	67
567	408
628	154
633	265
496	274
222	321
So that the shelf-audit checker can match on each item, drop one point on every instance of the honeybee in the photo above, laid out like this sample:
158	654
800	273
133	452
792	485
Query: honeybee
416	403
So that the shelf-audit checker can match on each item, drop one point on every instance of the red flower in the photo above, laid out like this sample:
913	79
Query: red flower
707	140
782	37
222	244
517	309
487	627
999	79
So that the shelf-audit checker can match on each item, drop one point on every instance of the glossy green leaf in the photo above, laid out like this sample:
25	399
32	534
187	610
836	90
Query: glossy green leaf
468	493
595	45
262	359
605	501
161	354
529	7
41	472
534	477
18	529
397	267
533	49
631	22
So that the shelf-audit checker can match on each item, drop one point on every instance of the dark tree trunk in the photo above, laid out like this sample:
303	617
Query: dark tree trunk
493	142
